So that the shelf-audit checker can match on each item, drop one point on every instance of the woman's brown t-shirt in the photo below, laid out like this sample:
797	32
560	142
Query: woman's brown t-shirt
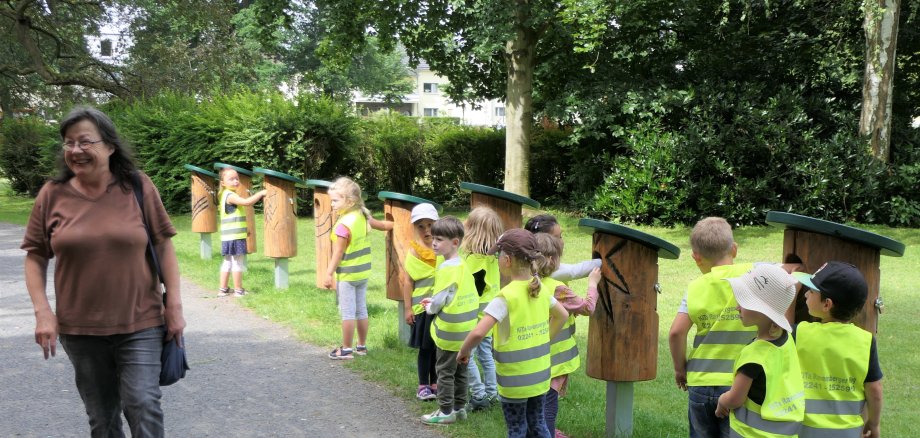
103	281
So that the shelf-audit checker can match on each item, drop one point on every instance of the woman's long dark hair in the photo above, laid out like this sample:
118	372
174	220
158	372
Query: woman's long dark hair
121	162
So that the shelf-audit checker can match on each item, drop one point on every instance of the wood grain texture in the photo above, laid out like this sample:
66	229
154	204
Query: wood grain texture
815	250
280	218
324	219
398	242
510	212
244	191
623	331
204	203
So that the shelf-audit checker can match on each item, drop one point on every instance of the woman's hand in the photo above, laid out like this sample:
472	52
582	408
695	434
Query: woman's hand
175	323
46	332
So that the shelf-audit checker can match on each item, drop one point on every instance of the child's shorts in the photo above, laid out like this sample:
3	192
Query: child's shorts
233	247
352	299
421	332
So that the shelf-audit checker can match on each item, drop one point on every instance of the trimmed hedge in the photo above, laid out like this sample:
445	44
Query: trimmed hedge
736	156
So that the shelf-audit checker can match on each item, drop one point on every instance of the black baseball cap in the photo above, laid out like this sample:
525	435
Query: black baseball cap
838	281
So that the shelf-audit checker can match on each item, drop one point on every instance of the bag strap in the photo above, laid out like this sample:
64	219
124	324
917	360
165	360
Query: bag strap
139	195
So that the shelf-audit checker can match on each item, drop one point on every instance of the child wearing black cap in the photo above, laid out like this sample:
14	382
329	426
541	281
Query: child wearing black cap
839	360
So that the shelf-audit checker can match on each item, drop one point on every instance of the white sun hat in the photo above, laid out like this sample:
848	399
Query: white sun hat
767	289
423	211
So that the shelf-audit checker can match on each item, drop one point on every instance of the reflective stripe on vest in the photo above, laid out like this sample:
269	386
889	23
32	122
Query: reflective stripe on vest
811	432
526	372
458	317
563	350
784	403
835	361
356	261
232	225
712	308
422	275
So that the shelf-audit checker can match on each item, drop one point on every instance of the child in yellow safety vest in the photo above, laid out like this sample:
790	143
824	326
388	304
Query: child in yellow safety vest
707	371
767	396
839	360
420	264
351	263
563	349
233	231
483	227
523	318
454	305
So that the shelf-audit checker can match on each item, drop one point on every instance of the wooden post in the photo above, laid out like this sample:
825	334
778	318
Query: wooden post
623	331
280	206
508	205
245	191
815	242
204	207
323	220
397	208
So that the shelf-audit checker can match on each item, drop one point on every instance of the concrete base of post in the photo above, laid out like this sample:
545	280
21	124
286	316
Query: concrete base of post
404	330
619	409
205	246
281	273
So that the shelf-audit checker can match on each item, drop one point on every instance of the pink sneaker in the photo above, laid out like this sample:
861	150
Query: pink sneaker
425	394
559	434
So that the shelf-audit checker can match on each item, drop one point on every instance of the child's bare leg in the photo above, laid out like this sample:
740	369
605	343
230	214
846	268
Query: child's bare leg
224	276
237	280
348	332
362	331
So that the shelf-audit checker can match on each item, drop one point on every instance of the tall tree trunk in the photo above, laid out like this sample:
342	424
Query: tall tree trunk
881	27
519	60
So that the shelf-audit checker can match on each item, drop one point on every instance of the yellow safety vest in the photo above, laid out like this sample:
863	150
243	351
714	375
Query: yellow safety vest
522	361
835	361
489	263
356	262
232	225
784	403
562	349
422	275
720	336
458	317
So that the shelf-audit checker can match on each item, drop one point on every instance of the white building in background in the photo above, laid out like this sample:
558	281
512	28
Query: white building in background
429	100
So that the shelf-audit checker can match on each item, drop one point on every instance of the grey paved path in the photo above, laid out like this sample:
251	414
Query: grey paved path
249	377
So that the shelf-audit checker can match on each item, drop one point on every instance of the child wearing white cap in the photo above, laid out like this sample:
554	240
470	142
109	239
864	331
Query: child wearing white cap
420	264
767	397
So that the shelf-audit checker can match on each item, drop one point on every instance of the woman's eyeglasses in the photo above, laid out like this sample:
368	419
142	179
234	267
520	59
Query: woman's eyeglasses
84	145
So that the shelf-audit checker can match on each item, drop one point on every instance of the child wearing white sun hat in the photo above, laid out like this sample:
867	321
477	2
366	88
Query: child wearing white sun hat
767	396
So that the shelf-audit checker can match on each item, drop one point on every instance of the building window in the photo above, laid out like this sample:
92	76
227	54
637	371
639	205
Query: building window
499	111
431	112
105	47
430	87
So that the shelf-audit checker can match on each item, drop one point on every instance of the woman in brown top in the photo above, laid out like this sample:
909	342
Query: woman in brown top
109	314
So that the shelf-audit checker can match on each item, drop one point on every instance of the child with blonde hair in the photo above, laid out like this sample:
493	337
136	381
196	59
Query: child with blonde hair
483	228
350	265
563	349
523	318
233	231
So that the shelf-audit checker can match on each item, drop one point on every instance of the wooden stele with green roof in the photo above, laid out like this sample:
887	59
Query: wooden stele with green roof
815	242
204	206
244	191
623	331
280	217
323	220
508	205
397	207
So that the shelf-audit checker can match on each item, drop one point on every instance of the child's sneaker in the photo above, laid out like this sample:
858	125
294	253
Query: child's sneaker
477	404
224	291
438	417
239	292
425	394
460	413
361	350
559	434
341	353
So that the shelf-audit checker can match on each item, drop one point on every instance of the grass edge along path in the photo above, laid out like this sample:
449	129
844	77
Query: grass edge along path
659	410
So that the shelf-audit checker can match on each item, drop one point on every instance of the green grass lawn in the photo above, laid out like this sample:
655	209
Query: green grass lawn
659	407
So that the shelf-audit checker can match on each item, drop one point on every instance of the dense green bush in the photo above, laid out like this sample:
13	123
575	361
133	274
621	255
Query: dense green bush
458	154
28	148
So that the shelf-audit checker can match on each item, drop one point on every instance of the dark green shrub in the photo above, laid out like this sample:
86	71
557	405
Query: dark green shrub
458	154
28	148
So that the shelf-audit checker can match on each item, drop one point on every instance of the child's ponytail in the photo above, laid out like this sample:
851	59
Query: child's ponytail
535	285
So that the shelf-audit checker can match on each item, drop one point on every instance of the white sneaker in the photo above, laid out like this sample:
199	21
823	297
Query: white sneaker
438	417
